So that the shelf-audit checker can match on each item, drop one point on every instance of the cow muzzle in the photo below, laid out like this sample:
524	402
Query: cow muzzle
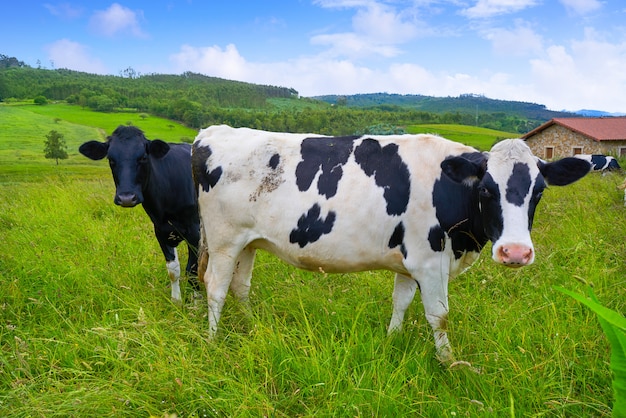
514	255
126	200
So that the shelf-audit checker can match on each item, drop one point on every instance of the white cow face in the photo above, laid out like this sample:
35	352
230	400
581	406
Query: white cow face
509	182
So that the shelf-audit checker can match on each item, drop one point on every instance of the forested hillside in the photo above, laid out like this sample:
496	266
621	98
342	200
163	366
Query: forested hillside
198	100
465	103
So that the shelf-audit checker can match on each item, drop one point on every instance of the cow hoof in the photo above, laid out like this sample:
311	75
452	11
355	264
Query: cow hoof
463	364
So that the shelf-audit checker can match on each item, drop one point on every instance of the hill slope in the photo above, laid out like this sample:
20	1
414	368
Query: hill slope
467	103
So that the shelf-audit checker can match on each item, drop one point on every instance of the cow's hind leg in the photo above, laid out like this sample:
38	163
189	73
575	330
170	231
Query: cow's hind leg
240	285
434	290
173	270
403	294
217	279
192	267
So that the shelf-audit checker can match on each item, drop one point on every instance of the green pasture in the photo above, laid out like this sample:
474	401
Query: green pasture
87	327
479	138
23	129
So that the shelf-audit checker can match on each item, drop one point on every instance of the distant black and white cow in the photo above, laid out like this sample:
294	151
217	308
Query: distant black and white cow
418	205
156	175
600	162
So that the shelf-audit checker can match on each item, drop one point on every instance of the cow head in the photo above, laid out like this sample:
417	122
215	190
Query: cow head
509	181
129	154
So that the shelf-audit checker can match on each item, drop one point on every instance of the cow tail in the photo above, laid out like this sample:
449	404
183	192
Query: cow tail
203	254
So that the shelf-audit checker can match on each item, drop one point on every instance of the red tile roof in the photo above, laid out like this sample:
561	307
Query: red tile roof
598	129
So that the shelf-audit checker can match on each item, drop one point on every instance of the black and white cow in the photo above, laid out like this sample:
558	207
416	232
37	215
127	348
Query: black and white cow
418	205
156	175
600	162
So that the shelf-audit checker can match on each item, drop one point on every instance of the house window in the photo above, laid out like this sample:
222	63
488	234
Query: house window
549	153
577	150
621	152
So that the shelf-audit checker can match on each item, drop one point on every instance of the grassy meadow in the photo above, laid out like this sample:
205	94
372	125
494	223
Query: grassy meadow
480	138
87	327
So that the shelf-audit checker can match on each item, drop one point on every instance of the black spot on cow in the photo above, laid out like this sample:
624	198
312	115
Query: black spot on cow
490	208
598	161
457	205
201	174
327	155
274	161
389	171
397	239
311	226
518	186
437	238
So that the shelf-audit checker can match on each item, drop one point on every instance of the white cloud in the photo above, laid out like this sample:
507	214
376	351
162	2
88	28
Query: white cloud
317	75
68	54
590	73
213	61
352	45
115	20
377	29
64	10
384	24
580	74
581	7
519	41
490	8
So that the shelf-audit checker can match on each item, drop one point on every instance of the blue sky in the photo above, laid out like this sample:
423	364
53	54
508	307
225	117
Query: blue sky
565	54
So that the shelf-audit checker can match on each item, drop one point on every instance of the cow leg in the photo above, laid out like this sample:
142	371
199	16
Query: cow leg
434	290
403	294
240	285
192	266
173	270
217	279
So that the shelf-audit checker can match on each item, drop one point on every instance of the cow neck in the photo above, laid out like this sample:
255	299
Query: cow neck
148	189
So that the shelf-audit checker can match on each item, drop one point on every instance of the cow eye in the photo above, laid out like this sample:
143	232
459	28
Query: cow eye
484	192
143	159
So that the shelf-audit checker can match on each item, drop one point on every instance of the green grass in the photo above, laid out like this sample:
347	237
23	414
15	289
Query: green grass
87	327
480	138
24	129
153	127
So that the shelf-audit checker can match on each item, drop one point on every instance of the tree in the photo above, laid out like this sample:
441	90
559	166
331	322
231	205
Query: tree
40	100
55	146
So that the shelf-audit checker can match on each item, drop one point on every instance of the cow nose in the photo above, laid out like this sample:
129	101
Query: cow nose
127	200
515	255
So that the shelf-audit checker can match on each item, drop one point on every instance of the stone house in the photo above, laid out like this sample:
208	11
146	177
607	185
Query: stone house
564	137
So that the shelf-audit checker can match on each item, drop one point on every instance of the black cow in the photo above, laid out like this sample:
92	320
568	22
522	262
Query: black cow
156	175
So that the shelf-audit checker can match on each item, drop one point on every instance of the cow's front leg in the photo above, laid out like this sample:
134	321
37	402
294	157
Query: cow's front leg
168	242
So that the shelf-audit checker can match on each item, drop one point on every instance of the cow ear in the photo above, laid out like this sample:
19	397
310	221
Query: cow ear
94	150
464	170
565	171
157	148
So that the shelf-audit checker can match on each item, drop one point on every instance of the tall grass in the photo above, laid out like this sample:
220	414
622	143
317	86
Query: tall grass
87	326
